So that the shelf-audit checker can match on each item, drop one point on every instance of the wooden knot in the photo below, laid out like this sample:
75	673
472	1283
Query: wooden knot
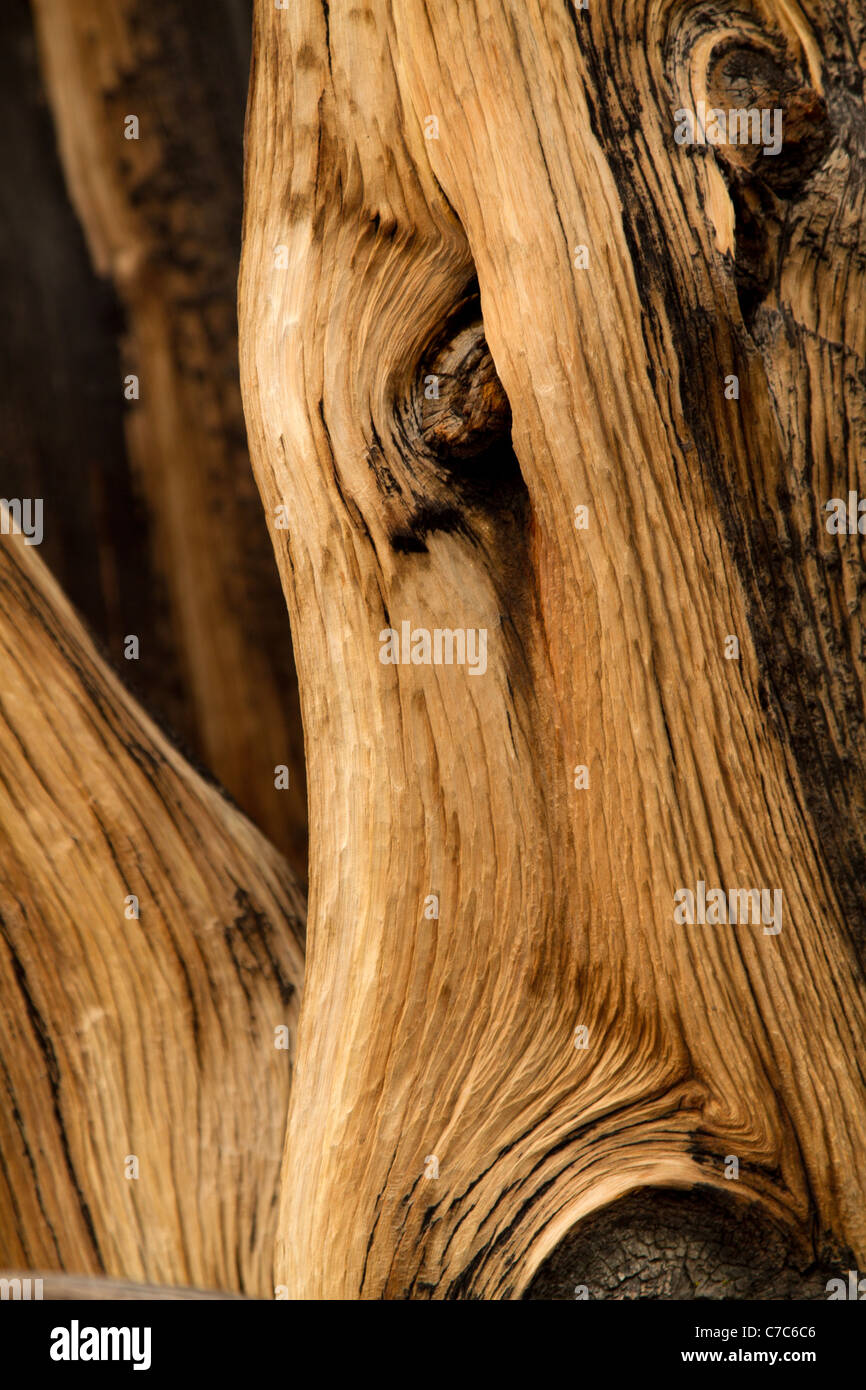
462	407
776	125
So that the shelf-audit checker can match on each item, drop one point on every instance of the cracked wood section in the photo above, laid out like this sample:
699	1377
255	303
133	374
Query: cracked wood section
453	1038
151	1037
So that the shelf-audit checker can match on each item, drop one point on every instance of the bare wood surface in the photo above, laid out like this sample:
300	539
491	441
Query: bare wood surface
161	217
148	1037
369	250
72	1288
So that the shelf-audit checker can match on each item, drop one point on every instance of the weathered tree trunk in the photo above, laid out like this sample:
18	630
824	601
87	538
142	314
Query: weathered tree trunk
123	406
425	180
150	953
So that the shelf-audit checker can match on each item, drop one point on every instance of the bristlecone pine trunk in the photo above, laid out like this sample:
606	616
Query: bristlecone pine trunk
535	383
493	193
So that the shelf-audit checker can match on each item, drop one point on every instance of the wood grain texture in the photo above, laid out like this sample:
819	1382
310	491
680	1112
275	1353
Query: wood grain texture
151	1037
161	218
453	1038
71	1288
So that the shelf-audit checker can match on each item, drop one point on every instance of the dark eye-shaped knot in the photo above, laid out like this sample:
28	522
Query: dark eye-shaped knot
763	116
461	406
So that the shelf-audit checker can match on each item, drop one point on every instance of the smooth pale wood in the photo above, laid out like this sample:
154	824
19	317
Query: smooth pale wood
161	218
152	1037
454	1038
69	1288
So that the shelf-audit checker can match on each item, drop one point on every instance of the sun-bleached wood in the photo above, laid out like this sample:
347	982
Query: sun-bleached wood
150	1037
454	1038
71	1288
